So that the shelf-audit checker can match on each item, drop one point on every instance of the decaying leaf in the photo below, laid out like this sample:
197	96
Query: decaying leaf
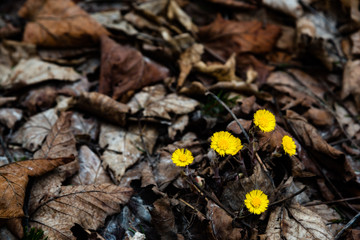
124	147
142	171
84	127
335	160
60	141
319	117
351	81
163	218
59	24
296	222
348	123
222	72
290	7
14	179
235	3
225	37
103	107
221	223
33	132
86	205
156	103
9	116
41	71
124	68
90	169
187	59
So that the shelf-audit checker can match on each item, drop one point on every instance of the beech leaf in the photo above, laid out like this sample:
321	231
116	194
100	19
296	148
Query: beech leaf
14	179
86	205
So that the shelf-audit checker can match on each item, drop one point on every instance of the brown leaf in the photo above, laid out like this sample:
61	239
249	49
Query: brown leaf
292	7
187	59
221	223
296	222
319	117
91	170
124	146
5	100
9	116
60	141
41	71
351	81
33	132
14	179
103	107
348	123
86	205
59	24
142	171
235	3
163	218
335	159
124	68
227	36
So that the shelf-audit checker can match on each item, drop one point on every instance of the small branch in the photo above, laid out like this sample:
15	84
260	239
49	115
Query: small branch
232	114
351	222
334	201
289	197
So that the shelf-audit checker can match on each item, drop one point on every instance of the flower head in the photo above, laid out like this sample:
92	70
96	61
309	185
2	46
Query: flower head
256	201
265	120
225	143
289	145
182	157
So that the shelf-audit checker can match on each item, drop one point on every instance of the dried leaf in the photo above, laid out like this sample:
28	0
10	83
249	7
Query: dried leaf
296	222
103	107
60	141
225	37
348	123
82	127
221	223
59	24
124	68
351	81
142	171
156	104
178	126
113	20
91	170
319	117
5	100
163	218
187	60
240	87
234	4
86	205
32	134
9	116
14	179
40	71
222	72
335	159
125	147
290	7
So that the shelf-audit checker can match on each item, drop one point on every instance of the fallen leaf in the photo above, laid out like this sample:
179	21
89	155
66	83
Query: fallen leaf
235	128
319	117
90	169
41	98
246	61
103	107
222	223
348	123
296	222
83	127
239	87
59	24
235	3
351	81
86	205
225	37
125	147
155	103
178	126
5	100
40	71
14	179
124	68
163	218
335	160
221	72
355	39
187	60
9	116
32	134
142	171
292	7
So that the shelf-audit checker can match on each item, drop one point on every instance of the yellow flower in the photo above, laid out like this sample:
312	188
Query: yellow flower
182	157
256	201
265	120
225	143
289	145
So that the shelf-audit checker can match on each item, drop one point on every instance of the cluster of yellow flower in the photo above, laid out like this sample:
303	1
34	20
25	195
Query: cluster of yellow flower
224	143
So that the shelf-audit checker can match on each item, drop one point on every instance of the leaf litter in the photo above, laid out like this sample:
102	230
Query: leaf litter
95	101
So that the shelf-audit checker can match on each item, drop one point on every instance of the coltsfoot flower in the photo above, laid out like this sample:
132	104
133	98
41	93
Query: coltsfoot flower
225	143
256	201
289	145
182	157
265	120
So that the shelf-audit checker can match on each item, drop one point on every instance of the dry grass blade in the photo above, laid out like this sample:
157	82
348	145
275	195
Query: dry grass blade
14	179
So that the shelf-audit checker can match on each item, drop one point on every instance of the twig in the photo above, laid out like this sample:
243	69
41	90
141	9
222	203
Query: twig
193	208
231	113
334	201
351	222
289	197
